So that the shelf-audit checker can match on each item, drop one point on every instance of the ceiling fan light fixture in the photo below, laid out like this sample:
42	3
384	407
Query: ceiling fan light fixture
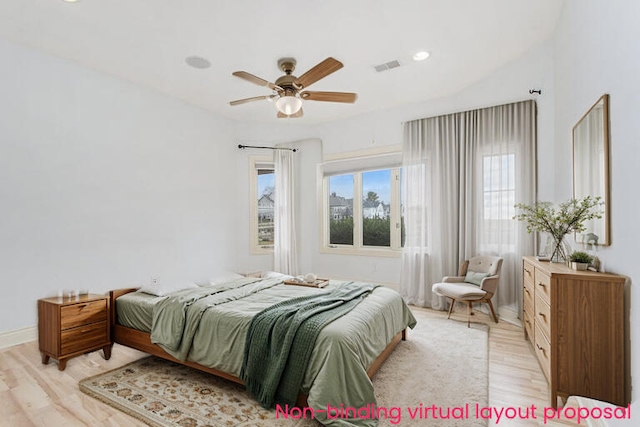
421	55
288	104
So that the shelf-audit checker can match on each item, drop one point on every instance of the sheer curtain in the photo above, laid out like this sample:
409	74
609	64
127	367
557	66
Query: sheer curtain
463	173
285	251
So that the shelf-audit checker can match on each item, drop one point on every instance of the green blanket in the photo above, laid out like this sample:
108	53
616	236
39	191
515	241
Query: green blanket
281	338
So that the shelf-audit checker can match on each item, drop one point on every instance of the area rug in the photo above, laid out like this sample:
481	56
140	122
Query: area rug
429	380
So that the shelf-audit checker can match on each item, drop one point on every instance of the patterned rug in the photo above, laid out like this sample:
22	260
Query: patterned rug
443	363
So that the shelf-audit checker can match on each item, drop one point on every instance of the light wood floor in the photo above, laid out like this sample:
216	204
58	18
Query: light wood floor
33	394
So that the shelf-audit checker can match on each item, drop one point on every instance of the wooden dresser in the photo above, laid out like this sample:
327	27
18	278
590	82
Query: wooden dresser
575	321
69	327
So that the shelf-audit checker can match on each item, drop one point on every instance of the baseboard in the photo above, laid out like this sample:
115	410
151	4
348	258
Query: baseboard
509	315
19	336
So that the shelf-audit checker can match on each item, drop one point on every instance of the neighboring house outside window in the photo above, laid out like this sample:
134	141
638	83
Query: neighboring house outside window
375	209
340	207
262	205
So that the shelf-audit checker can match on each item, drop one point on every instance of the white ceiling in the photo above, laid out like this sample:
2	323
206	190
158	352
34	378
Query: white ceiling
147	41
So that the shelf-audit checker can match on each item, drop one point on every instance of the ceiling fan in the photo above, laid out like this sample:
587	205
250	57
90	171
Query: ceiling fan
288	89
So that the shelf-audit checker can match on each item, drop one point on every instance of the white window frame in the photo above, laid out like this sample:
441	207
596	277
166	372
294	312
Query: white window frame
512	151
256	163
356	164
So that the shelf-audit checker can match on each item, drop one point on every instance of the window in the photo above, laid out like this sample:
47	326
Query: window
341	210
498	192
262	205
376	208
499	186
362	212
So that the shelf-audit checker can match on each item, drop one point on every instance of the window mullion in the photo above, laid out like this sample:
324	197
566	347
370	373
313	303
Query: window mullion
357	210
394	211
326	213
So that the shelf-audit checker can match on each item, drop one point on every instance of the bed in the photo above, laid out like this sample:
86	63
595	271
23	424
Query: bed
346	354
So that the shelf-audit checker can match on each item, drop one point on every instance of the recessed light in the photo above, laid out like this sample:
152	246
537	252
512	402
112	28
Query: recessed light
421	56
198	62
70	1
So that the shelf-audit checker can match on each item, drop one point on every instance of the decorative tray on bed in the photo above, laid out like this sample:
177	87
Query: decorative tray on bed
318	283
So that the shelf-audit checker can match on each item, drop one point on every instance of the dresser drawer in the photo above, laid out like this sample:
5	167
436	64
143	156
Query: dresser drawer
75	315
542	285
528	295
527	310
543	316
528	322
543	352
84	338
527	274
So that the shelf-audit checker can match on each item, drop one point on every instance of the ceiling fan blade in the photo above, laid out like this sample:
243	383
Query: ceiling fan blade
255	98
330	96
256	80
318	72
292	116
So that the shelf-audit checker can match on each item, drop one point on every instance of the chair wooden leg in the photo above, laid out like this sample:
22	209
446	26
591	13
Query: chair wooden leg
493	313
451	308
468	314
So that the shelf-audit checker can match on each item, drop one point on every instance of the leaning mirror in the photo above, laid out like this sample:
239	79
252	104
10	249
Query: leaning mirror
591	168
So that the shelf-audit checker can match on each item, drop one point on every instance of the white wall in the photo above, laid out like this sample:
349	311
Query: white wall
511	83
597	52
104	184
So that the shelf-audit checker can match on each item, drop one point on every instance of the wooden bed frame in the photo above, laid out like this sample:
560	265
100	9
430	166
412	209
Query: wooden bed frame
140	340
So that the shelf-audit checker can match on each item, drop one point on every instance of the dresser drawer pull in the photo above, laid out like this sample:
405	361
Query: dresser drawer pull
527	291
541	314
542	284
541	349
527	271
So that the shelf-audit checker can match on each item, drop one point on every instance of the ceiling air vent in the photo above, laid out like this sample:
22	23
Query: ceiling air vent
387	66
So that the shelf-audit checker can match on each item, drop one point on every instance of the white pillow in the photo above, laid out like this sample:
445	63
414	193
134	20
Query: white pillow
275	274
164	288
225	277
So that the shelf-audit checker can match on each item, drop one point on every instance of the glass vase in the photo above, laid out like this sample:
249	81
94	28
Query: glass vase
561	249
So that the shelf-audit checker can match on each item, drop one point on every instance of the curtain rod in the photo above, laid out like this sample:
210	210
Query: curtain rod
242	147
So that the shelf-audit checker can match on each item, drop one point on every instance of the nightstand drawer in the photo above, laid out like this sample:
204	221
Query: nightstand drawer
84	337
75	315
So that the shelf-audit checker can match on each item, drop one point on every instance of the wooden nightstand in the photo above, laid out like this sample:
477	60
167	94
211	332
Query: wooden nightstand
69	327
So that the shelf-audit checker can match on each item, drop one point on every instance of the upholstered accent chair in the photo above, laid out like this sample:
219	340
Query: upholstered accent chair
477	281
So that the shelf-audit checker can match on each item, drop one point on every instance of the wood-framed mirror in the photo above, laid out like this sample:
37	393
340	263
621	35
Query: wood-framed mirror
591	168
